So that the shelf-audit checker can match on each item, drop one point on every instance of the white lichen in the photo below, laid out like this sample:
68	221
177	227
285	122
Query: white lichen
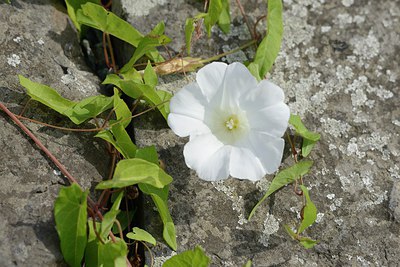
394	172
366	47
237	201
14	60
271	226
335	127
347	3
330	196
18	39
40	41
320	217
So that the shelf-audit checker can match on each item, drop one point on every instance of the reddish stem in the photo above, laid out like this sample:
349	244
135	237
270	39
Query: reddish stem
39	144
245	19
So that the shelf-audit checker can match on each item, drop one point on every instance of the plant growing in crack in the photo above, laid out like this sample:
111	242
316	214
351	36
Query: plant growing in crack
232	114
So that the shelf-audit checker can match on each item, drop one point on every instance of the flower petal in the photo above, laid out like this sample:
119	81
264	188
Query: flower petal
208	157
267	149
238	81
184	126
245	165
187	111
272	120
210	78
266	94
189	101
216	167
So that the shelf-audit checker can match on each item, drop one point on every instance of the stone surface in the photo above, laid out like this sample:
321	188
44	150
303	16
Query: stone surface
38	42
339	69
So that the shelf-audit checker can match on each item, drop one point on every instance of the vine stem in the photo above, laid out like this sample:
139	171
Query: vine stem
61	167
228	53
245	19
97	129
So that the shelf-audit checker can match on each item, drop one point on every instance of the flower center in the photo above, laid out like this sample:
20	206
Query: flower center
232	123
229	126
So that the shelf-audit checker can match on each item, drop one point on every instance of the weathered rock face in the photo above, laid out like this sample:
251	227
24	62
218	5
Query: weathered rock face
339	69
38	42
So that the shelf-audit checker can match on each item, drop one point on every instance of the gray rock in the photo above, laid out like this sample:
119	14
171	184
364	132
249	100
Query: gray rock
38	42
339	69
394	202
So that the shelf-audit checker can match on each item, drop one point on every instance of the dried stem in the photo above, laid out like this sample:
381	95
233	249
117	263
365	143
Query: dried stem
245	19
151	254
256	35
228	53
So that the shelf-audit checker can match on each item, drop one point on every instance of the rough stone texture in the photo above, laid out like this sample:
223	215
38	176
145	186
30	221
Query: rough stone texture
339	69
38	42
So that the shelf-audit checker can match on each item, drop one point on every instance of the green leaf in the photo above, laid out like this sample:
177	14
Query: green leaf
123	140
131	74
248	264
165	97
110	217
72	8
304	241
108	136
151	190
120	139
92	235
137	89
309	212
124	218
46	95
70	212
133	171
301	130
269	47
97	17
117	202
254	69
150	76
189	258
148	153
159	197
290	231
307	147
224	20
308	242
189	29
310	138
77	112
109	254
214	11
89	108
121	110
107	223
283	178
147	43
141	235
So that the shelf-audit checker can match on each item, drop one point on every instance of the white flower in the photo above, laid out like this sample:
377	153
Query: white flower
235	124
